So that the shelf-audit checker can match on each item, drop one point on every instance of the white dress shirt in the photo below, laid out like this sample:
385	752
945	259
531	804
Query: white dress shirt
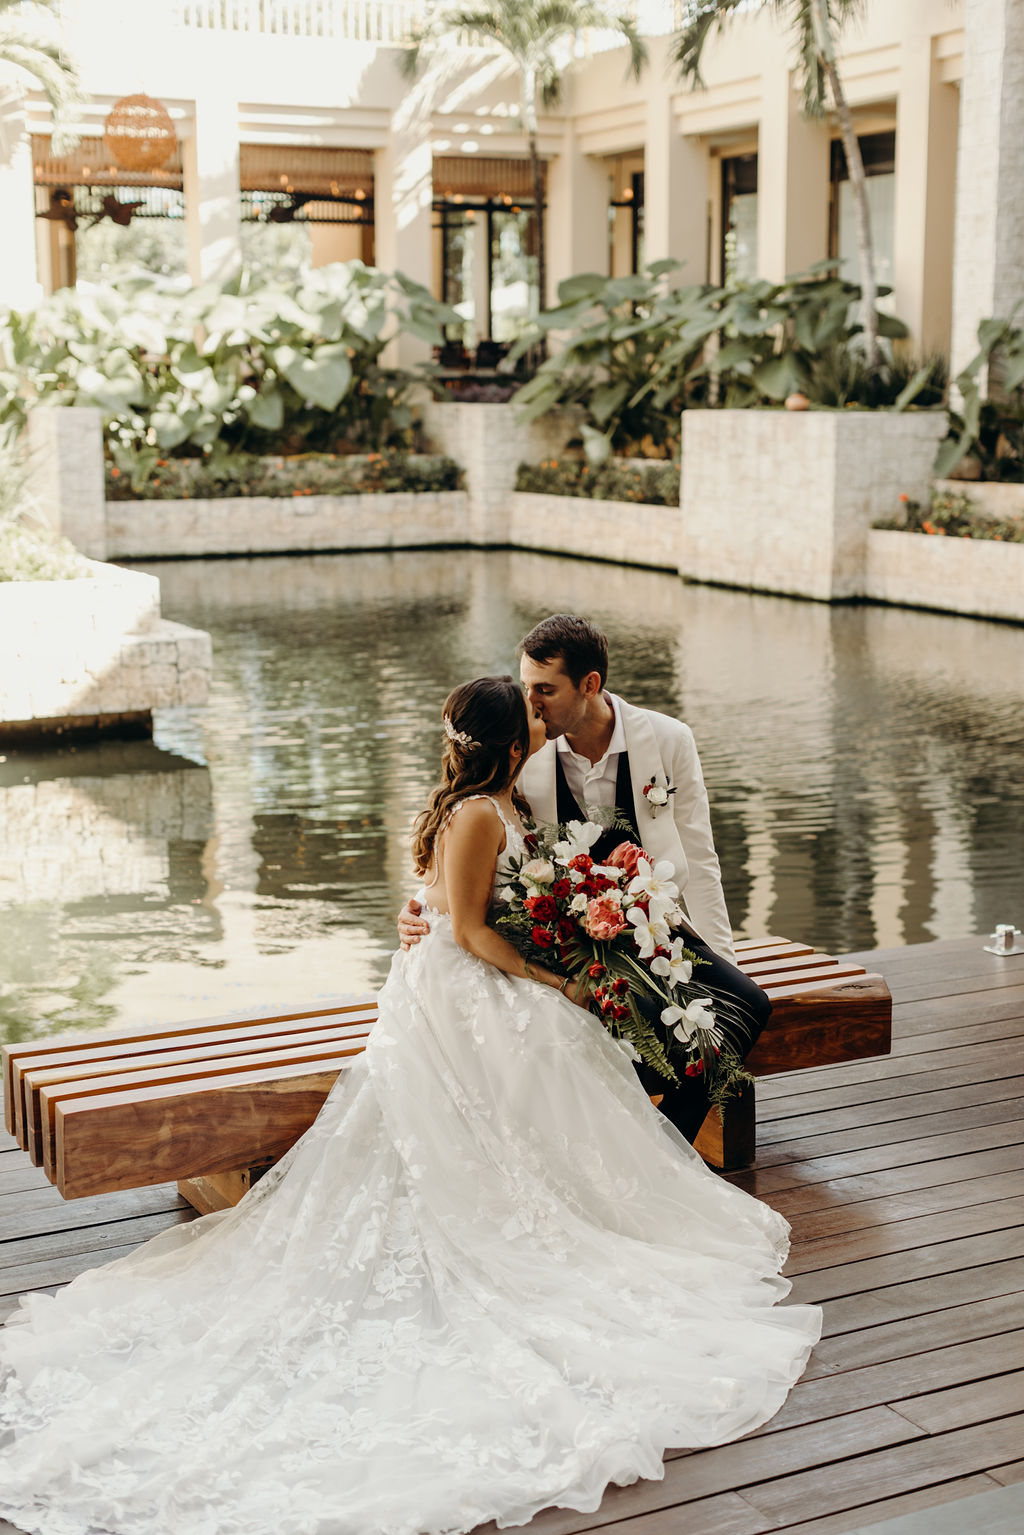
594	783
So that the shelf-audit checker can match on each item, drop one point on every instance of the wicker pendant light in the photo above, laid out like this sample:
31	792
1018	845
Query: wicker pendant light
139	134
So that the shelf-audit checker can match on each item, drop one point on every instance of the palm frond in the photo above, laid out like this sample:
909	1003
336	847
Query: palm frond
702	17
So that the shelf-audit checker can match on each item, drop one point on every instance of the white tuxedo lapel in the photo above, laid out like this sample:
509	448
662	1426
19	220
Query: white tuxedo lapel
658	831
537	782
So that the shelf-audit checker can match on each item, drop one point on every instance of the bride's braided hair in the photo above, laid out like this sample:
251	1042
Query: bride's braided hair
482	720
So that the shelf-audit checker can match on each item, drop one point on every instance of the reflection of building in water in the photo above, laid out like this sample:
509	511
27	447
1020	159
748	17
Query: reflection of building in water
857	758
103	853
119	819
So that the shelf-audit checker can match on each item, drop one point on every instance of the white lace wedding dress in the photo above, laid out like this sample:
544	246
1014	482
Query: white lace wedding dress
491	1277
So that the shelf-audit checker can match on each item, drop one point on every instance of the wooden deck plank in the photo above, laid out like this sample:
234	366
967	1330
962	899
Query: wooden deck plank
902	1236
868	1514
898	1108
889	1133
946	1147
847	1311
932	1458
997	1319
937	1371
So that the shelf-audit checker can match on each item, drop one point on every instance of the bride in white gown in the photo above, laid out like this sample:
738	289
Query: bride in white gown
491	1277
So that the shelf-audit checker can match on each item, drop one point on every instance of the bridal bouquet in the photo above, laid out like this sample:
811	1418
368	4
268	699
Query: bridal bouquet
615	926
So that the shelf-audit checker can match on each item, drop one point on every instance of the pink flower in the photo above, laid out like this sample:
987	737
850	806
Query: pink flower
626	857
603	918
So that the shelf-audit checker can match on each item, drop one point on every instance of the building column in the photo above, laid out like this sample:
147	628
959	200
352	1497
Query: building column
792	181
17	205
675	192
988	248
925	194
576	216
403	189
211	181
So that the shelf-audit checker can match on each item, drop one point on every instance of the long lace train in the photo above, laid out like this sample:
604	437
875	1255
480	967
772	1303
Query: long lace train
489	1278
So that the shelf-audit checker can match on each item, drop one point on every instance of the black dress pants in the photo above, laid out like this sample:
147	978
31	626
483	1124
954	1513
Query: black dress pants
741	1012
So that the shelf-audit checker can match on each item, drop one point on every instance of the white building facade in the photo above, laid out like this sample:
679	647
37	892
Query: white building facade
294	112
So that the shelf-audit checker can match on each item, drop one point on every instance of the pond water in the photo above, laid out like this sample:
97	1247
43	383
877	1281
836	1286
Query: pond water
863	763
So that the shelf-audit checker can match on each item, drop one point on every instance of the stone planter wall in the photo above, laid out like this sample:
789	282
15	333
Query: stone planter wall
957	575
490	442
93	651
782	501
282	524
627	532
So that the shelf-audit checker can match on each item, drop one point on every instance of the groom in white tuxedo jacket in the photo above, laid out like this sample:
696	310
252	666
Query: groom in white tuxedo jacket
662	756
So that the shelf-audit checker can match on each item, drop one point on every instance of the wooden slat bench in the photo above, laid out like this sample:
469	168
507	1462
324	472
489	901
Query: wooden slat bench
214	1103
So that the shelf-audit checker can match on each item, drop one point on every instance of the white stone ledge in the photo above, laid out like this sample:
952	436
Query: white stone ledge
626	532
285	524
95	647
976	576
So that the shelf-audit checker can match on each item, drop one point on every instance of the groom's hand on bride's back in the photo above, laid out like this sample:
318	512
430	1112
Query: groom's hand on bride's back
411	926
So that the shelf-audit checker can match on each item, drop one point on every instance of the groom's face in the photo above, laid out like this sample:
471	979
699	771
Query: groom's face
552	694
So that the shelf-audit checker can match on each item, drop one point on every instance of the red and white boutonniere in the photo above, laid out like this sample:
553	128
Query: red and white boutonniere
657	792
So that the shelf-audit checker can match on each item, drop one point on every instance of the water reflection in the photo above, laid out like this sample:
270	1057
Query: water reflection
863	765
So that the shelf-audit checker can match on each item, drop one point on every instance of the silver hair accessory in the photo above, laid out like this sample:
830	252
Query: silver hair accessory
459	736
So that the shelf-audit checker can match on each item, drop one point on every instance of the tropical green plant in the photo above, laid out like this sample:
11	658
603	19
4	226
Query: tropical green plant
840	377
225	474
815	23
654	484
989	427
639	350
254	367
25	45
537	36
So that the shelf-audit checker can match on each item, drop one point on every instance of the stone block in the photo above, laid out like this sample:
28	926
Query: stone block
783	501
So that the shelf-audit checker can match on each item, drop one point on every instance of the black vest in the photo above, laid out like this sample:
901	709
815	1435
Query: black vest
569	808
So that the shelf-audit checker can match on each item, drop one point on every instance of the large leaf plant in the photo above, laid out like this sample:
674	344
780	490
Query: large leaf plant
244	366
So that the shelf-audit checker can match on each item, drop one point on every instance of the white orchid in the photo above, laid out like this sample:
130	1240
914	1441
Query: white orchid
685	1021
673	966
580	837
655	885
649	932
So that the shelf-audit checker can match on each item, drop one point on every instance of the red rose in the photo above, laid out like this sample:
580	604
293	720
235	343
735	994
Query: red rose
620	987
561	889
695	1068
595	972
601	882
566	929
542	937
532	841
582	863
541	907
621	1013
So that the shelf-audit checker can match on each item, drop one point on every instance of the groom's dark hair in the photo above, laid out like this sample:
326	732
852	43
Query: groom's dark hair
576	642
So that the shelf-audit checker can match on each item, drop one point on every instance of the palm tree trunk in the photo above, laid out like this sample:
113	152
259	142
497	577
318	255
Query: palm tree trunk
858	180
537	176
528	82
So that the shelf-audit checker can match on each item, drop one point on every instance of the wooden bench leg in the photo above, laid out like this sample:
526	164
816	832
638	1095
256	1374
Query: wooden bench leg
730	1142
221	1191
